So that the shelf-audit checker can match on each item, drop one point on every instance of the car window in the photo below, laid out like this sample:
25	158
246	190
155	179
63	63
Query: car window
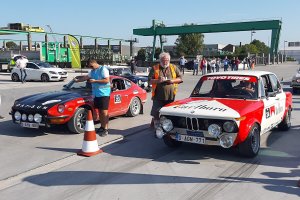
275	83
44	64
78	85
128	84
31	66
118	84
236	87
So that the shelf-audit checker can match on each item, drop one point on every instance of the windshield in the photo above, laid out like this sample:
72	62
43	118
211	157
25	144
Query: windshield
236	87
44	64
120	72
78	85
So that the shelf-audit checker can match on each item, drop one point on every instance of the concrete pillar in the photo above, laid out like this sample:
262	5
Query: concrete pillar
120	44
20	46
96	45
65	41
269	59
81	42
282	58
278	58
4	45
29	41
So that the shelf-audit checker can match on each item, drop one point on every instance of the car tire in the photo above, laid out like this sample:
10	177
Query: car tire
77	122
44	78
134	107
250	147
170	142
286	122
15	77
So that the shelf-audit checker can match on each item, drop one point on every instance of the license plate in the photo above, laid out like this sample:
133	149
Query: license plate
29	125
190	139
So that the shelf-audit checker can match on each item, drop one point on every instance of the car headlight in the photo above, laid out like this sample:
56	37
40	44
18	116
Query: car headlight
52	72
17	115
145	84
37	118
61	108
229	126
166	124
214	130
30	117
226	141
24	117
140	82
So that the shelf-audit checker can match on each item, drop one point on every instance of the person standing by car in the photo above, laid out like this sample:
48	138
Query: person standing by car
133	66
164	78
203	66
99	77
182	62
21	62
196	66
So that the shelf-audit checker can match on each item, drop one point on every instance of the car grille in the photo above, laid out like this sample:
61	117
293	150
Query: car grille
62	73
194	124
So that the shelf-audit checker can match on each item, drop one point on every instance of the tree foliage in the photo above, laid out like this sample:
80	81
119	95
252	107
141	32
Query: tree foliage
255	47
11	45
189	44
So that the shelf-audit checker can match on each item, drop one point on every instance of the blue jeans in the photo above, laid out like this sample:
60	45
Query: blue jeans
25	75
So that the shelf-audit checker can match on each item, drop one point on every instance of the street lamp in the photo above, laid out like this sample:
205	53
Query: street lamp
284	49
252	32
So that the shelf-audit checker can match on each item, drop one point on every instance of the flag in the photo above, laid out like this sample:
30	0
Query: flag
75	51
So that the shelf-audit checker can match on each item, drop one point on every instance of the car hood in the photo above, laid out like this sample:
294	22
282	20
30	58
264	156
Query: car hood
44	100
210	108
137	77
55	69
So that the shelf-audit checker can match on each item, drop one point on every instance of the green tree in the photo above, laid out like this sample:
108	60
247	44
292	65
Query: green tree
255	47
11	45
141	55
189	44
261	46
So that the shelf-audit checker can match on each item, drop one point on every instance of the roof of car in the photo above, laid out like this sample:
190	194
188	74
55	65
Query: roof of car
243	73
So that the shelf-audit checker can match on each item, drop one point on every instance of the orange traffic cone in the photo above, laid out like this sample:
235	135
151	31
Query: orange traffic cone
90	145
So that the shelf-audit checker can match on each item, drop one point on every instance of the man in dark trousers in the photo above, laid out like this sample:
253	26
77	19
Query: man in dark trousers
164	78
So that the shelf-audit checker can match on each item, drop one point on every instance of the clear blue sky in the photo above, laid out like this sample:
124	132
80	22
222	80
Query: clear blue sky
117	19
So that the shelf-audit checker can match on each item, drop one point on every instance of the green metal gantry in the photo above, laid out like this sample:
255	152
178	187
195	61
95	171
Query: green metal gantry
159	29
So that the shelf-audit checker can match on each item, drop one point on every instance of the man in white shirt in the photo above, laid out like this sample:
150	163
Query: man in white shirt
21	64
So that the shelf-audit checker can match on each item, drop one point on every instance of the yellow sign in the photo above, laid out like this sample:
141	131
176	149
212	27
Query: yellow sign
75	51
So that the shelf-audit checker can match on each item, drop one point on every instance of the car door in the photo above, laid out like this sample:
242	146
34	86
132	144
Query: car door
32	71
270	100
119	97
280	98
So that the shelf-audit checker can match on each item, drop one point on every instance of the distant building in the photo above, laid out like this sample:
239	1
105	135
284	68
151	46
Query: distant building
292	50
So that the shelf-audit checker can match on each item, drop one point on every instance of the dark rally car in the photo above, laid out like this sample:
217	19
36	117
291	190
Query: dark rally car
70	105
125	72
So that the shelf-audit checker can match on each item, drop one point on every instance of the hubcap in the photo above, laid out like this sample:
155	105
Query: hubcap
255	139
81	119
135	106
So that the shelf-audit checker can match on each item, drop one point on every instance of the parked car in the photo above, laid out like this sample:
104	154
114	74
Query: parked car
228	109
40	71
70	105
125	72
295	83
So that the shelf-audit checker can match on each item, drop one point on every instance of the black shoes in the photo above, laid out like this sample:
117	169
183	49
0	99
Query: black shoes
102	132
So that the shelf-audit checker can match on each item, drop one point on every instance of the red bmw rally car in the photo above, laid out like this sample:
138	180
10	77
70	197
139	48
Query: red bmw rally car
228	109
70	105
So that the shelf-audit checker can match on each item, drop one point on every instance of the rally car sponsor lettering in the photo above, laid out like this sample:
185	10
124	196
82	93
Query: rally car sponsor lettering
274	110
118	98
200	107
31	106
245	78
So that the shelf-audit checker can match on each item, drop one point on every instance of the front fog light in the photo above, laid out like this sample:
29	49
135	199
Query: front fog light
30	118
159	133
214	130
37	118
226	141
166	124
17	115
145	84
228	126
24	117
